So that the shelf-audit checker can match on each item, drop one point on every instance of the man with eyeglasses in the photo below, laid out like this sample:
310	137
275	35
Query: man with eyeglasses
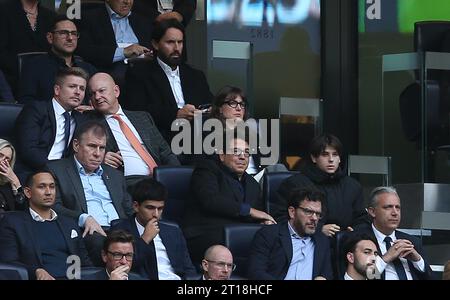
222	193
161	252
293	250
37	77
217	263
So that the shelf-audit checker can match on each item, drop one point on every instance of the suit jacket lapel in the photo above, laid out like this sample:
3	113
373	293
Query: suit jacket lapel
66	233
113	192
111	144
29	228
161	81
286	242
142	128
108	30
51	115
74	176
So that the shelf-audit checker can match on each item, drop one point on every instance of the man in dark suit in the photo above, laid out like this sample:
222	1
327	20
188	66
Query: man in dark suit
112	34
295	250
44	130
165	87
181	10
400	255
38	74
120	151
88	191
161	251
39	239
222	193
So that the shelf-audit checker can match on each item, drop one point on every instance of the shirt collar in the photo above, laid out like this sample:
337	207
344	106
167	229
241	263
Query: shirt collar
140	228
113	15
347	277
295	235
380	236
59	110
81	170
167	69
35	216
119	112
61	61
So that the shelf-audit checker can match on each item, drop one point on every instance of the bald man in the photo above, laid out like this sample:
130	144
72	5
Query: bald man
217	263
121	152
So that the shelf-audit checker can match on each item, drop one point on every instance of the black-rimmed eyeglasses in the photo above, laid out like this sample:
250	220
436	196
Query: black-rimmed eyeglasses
118	256
234	104
67	33
222	264
310	213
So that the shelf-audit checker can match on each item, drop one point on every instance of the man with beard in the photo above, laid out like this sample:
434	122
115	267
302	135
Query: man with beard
38	73
165	87
293	250
360	251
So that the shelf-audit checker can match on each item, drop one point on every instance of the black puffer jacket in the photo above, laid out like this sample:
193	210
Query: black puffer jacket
343	196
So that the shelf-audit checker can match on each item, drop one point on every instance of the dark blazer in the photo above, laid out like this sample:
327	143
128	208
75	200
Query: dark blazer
36	131
102	275
144	261
149	8
18	244
5	90
151	137
38	76
271	254
148	89
70	198
98	43
416	274
17	36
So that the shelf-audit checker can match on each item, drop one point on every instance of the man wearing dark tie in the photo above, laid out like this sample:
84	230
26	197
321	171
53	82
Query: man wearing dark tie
400	254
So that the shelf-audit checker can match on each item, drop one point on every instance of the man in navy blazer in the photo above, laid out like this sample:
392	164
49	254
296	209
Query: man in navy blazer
400	255
160	248
295	250
39	239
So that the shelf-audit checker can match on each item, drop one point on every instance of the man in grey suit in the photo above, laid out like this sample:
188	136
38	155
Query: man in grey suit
92	193
121	153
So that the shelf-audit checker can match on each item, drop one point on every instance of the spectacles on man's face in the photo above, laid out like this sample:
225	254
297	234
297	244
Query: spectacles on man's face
118	256
234	104
222	264
310	213
67	33
239	152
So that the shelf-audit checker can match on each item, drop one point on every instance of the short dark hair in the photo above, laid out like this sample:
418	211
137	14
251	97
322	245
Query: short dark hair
97	128
60	18
148	189
227	93
73	71
30	178
160	28
308	193
351	240
117	236
319	143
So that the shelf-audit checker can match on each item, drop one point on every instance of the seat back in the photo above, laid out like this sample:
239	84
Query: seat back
177	181
23	58
271	183
8	116
13	271
238	238
363	164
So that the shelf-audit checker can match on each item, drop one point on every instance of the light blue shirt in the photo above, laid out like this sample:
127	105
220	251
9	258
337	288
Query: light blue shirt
301	267
98	199
123	32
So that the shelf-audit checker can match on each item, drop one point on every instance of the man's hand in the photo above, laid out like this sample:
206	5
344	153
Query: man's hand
41	274
135	50
260	215
399	249
83	108
330	229
113	159
91	226
150	231
169	15
7	172
120	273
187	112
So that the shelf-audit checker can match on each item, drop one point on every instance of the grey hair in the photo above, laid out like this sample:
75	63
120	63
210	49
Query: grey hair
373	198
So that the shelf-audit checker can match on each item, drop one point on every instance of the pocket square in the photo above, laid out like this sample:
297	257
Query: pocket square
73	234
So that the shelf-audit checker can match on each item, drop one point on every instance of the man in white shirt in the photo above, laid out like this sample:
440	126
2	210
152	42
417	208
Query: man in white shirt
360	252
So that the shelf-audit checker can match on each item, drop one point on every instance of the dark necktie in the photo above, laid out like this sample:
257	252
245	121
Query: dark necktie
396	262
66	132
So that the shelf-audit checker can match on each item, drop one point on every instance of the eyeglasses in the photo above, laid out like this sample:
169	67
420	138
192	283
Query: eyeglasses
234	104
66	33
118	256
310	213
222	264
239	152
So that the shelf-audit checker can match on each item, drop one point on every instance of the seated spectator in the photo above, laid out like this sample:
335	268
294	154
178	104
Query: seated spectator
295	250
23	25
161	251
113	34
217	263
11	191
39	239
38	74
222	193
6	94
344	196
117	254
135	145
88	191
360	251
166	87
44	130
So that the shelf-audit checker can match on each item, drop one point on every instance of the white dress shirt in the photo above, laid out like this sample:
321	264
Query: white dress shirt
37	217
60	144
175	82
